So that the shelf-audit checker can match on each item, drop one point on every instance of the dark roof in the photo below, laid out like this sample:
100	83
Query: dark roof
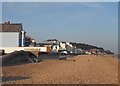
11	27
52	40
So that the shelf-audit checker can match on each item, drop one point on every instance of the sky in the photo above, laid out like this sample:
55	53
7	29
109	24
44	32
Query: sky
94	23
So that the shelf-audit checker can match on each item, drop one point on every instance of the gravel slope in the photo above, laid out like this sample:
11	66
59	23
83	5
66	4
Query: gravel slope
84	70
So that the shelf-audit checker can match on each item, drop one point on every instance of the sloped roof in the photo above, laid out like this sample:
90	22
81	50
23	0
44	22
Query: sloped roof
52	40
11	27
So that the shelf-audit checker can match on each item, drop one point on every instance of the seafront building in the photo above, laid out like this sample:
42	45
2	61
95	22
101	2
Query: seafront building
12	34
14	39
59	46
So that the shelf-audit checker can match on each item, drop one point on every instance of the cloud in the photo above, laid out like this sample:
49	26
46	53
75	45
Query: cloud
93	4
31	7
28	7
22	7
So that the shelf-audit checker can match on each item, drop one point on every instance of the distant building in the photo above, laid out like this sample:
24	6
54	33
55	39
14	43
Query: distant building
12	34
52	43
52	40
62	45
28	40
94	51
57	46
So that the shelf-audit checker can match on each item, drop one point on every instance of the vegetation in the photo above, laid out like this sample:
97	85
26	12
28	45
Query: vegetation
89	47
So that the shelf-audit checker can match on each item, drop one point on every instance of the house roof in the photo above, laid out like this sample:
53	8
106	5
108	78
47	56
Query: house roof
52	40
47	43
11	27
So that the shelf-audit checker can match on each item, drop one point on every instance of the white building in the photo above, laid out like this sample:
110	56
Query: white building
62	45
12	35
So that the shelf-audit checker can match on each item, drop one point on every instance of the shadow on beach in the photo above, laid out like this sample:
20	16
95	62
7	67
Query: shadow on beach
13	78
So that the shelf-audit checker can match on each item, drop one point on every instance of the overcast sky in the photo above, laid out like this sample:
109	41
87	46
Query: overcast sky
91	23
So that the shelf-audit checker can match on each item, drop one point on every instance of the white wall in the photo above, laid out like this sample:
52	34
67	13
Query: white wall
55	48
63	45
12	49
10	39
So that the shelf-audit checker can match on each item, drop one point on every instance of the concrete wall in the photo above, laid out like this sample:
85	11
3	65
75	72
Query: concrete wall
10	39
12	49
